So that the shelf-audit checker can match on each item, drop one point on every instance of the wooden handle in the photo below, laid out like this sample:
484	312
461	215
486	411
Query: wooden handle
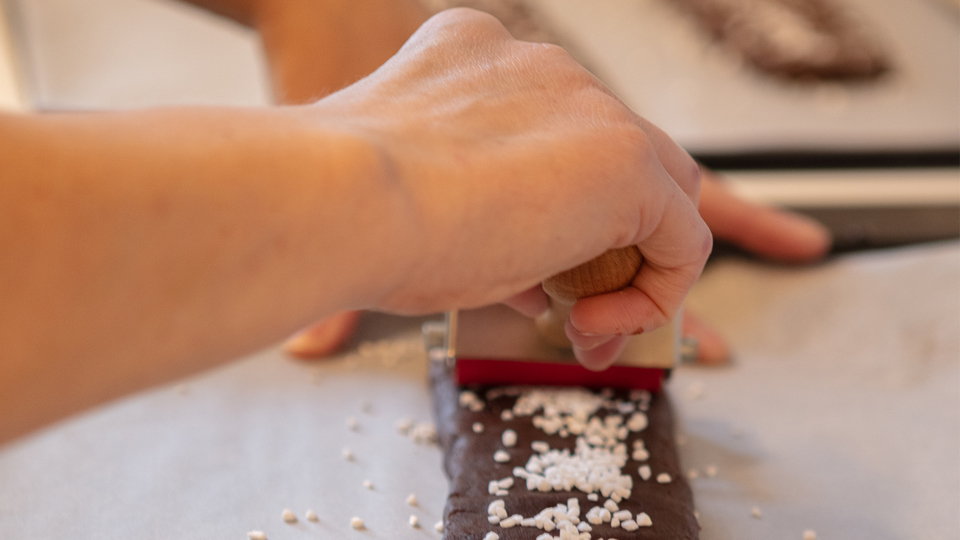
610	272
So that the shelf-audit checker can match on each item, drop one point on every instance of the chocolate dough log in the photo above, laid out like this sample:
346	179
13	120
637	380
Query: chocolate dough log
469	463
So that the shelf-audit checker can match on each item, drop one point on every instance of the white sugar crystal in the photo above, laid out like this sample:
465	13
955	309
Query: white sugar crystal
352	423
501	493
492	487
696	390
476	406
645	472
288	516
644	520
592	497
257	535
356	523
312	516
467	397
493	519
809	535
622	515
511	521
506	415
491	536
614	522
637	422
438	526
501	456
368	484
611	506
477	427
412	500
629	525
414	521
584	527
347	454
505	483
528	522
545	536
755	512
711	470
664	478
540	446
404	425
424	433
493	506
509	438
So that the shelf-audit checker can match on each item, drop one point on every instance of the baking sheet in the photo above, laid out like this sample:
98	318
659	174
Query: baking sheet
659	63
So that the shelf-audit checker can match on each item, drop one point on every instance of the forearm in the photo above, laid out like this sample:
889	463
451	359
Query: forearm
315	47
139	247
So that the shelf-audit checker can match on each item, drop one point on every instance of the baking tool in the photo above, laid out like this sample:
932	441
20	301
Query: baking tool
496	345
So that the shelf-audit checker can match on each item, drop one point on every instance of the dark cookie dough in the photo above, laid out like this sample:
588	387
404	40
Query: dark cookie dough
468	462
796	39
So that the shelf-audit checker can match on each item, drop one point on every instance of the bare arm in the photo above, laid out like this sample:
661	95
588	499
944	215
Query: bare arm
142	246
138	247
315	47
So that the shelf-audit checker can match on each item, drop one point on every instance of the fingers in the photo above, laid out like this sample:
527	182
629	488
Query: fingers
766	231
683	169
712	349
323	338
531	302
674	255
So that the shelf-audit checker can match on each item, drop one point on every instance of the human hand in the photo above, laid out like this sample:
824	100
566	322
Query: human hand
775	234
533	167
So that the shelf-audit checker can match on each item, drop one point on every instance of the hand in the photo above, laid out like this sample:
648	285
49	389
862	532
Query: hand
774	234
514	129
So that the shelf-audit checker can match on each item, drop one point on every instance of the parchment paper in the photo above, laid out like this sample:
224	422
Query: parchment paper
840	415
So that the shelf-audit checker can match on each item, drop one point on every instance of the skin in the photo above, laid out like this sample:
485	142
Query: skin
318	46
143	246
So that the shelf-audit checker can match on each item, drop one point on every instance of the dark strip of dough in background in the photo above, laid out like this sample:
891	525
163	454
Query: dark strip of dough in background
468	462
794	39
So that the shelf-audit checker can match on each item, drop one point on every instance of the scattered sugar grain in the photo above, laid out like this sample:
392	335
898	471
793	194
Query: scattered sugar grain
257	535
404	425
348	454
491	536
477	427
645	472
509	438
438	526
288	516
755	512
664	478
312	516
356	523
644	520
696	390
368	484
809	535
412	500
506	415
414	521
501	457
